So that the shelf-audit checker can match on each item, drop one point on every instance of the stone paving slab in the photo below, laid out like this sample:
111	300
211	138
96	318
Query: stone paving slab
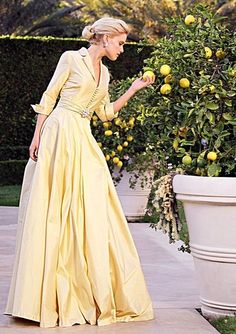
169	275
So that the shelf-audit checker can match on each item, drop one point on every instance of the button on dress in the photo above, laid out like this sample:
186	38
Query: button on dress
75	259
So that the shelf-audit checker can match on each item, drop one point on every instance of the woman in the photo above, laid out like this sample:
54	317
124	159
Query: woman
75	260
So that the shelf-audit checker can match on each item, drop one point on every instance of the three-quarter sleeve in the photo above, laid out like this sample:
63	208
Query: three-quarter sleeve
50	95
105	109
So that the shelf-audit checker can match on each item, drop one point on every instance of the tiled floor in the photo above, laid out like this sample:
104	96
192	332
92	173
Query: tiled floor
169	275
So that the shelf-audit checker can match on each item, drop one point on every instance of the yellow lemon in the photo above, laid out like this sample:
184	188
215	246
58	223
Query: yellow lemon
132	118
100	144
165	70
175	144
117	121
149	74
119	148
187	160
94	123
113	153
168	78
212	156
184	83
130	138
108	133
119	164
108	157
165	89
125	143
212	89
208	52
116	160
94	118
189	19
220	54
106	125
131	122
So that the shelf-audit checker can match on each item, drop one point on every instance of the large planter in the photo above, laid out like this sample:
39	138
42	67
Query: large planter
133	201
210	209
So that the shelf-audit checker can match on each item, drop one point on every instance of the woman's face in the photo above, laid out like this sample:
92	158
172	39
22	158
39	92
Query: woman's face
115	45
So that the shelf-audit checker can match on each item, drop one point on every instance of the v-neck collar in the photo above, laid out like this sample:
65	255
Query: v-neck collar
88	62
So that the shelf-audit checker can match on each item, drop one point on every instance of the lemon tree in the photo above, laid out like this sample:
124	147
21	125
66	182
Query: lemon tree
193	100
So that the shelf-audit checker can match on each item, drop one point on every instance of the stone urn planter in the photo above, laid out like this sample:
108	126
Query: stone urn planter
133	201
210	210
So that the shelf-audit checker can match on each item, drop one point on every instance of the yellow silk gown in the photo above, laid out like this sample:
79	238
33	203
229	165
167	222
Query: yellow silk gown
75	259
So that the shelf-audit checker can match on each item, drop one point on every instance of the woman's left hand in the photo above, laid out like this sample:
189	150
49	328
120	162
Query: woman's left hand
140	83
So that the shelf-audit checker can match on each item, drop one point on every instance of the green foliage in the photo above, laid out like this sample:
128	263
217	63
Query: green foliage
11	171
10	195
199	119
226	325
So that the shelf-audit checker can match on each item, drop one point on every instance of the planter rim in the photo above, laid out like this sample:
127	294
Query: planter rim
205	186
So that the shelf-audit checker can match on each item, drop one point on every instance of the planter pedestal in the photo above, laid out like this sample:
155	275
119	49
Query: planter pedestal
210	210
133	201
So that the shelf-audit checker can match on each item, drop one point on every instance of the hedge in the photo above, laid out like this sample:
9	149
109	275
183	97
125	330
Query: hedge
11	171
27	64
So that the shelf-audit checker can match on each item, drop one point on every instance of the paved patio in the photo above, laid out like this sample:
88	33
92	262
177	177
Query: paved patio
169	275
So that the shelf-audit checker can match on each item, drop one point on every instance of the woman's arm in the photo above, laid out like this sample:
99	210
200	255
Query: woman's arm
134	88
34	146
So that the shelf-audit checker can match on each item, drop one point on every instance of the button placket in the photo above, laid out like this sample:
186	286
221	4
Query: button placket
86	112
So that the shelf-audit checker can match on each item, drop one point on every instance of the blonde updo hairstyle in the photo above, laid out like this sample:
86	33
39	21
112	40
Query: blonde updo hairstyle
104	26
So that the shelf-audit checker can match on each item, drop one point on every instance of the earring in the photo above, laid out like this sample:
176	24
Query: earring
105	45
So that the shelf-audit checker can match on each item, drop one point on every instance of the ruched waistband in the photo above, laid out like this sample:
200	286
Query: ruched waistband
84	112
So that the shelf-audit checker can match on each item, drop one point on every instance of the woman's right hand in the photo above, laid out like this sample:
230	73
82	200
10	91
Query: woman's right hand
33	149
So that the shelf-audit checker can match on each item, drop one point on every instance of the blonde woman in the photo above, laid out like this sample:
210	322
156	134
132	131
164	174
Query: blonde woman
75	260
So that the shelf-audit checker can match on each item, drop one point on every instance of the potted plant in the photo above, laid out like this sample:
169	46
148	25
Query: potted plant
193	105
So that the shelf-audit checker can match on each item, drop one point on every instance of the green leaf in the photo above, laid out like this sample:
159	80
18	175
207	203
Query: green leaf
227	116
212	106
228	103
214	169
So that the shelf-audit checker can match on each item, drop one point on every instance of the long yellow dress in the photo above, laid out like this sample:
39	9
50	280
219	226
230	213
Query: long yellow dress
75	259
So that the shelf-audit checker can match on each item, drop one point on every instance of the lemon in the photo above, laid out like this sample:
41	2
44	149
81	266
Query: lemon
187	160
108	133
175	143
100	144
130	138
131	122
116	160
212	156
147	74
212	89
95	123
208	52
168	78
165	89
113	153
189	19
94	118
119	164
106	125
165	70
125	143
220	54
117	121
108	157
184	83
119	148
132	118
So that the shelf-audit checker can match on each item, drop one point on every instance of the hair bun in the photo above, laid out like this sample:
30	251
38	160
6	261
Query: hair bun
88	32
